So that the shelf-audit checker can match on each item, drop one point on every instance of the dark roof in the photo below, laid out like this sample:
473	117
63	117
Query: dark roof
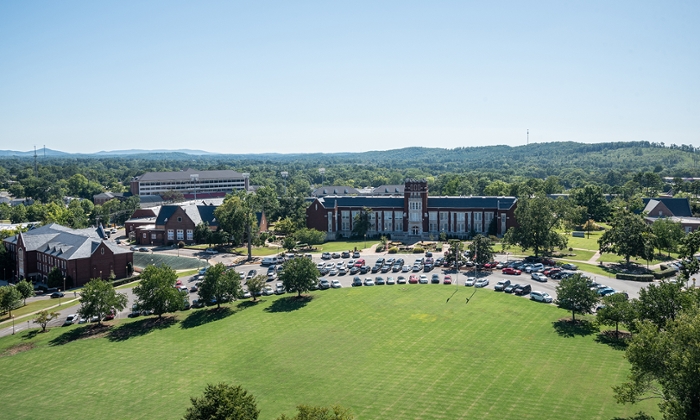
489	202
680	207
389	189
198	214
335	190
361	201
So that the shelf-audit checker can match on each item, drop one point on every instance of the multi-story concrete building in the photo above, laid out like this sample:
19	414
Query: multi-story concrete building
191	183
80	254
413	215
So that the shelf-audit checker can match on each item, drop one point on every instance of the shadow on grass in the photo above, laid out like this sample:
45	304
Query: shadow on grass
247	304
567	328
616	342
140	327
289	304
31	334
86	331
205	316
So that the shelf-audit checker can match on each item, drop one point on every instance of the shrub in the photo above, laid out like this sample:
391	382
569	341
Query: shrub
635	277
393	250
418	250
664	273
380	248
181	244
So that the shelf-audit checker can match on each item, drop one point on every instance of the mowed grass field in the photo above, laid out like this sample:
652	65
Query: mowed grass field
389	352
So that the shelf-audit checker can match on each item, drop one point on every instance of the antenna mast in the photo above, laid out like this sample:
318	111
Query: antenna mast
528	137
36	171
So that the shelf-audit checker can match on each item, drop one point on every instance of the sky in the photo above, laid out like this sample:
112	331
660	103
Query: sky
298	76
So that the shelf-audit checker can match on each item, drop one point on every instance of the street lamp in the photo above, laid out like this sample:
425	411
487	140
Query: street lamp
13	325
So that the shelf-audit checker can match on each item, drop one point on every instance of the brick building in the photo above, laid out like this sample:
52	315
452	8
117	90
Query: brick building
413	215
81	254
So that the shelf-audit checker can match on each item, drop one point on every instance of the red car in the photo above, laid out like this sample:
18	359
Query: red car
550	271
490	265
413	279
513	271
447	280
359	263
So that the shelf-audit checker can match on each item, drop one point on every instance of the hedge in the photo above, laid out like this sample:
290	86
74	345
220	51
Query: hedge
418	250
635	277
393	250
125	280
669	272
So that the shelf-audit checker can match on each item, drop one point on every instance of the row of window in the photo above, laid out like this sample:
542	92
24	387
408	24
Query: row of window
482	221
209	181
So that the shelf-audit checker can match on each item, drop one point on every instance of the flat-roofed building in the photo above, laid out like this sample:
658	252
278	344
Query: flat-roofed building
190	183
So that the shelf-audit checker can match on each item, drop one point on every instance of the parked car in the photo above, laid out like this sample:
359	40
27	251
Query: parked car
390	281
359	262
251	274
470	281
326	256
539	277
335	255
551	271
211	251
540	297
396	268
333	272
70	320
482	282
56	295
405	268
524	289
354	269
501	285
447	280
356	254
511	271
606	291
569	266
364	269
385	268
336	284
511	287
423	279
356	281
435	279
279	289
143	249
413	279
379	281
369	281
401	280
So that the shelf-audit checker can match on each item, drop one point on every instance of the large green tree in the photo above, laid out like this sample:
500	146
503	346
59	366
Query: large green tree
361	222
98	298
308	412
223	402
25	289
574	294
592	199
616	310
10	298
481	250
659	303
310	236
627	237
668	234
538	218
237	218
299	275
690	244
156	292
665	365
220	284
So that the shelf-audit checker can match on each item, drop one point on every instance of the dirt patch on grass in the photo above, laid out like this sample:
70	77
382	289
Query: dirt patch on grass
19	348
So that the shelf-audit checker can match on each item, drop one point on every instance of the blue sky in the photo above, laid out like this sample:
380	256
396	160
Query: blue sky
250	77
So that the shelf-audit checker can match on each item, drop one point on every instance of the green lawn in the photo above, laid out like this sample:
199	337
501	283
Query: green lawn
390	352
37	305
580	255
260	251
143	259
586	242
339	246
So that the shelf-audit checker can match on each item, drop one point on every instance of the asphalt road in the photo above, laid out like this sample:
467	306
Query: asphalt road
632	288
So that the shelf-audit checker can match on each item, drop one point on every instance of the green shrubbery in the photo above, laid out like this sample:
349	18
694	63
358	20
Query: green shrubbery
393	250
635	277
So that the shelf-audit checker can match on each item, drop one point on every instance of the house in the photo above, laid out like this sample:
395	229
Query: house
674	209
413	215
80	254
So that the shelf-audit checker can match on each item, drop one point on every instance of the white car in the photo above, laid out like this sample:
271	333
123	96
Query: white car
470	281
320	265
333	272
405	268
539	277
540	297
369	281
390	280
481	283
330	265
247	295
211	251
423	279
336	284
267	291
71	319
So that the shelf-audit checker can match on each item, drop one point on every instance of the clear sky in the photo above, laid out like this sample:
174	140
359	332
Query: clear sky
295	76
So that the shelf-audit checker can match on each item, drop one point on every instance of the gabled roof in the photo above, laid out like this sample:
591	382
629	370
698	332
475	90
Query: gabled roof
397	189
196	213
335	190
64	242
680	207
185	175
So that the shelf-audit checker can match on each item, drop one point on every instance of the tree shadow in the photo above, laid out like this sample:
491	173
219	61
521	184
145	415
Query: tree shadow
205	316
609	338
567	328
289	303
140	327
86	331
31	334
247	304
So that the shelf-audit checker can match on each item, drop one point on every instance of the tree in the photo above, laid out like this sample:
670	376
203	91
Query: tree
538	217
223	402
299	275
44	317
99	298
454	254
361	222
55	278
10	298
255	285
481	250
156	292
616	309
575	295
661	303
236	217
307	412
310	236
289	243
690	244
592	199
627	236
668	234
25	289
665	364
285	226
220	284
202	233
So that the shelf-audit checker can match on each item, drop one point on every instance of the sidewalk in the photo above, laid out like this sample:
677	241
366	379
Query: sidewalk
22	317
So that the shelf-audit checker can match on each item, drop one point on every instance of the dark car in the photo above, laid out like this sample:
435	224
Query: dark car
143	249
56	295
335	255
379	281
523	289
356	281
345	254
569	266
324	284
376	268
501	285
510	288
364	269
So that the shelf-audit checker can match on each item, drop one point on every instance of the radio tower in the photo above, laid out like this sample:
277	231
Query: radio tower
36	171
528	137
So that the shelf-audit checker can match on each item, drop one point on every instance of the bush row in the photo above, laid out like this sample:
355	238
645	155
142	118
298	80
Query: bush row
664	273
635	277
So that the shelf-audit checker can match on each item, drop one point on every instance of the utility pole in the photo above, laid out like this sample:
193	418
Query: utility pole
528	137
36	171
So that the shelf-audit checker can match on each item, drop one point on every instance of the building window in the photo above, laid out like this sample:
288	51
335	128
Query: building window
102	251
477	222
154	236
388	225
504	219
345	220
372	221
171	234
190	234
180	234
398	221
444	221
144	235
460	222
330	221
179	219
488	217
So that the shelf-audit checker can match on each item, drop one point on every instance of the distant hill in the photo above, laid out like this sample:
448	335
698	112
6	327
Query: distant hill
56	153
